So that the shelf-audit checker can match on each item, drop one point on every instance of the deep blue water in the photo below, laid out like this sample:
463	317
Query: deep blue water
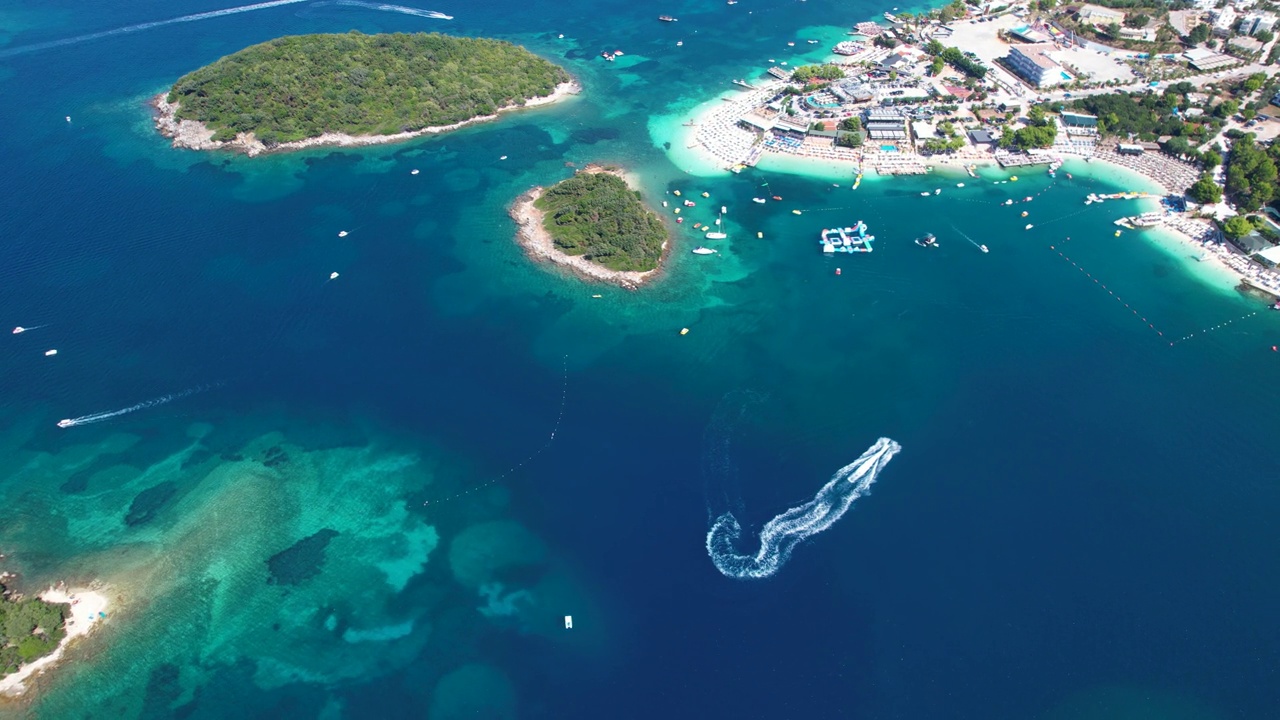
1079	525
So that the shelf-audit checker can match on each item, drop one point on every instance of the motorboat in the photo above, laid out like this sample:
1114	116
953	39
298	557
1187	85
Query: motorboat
983	248
66	423
777	197
679	43
413	172
333	276
19	329
716	236
703	251
50	353
668	18
924	194
343	233
927	240
1028	227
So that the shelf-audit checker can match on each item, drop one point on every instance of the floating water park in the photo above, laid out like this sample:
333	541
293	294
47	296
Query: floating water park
847	239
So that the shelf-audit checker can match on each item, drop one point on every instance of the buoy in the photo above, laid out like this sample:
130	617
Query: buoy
1013	179
837	271
50	353
760	235
1273	348
684	331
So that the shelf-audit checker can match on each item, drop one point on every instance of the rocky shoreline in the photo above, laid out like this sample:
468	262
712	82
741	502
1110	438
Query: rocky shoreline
534	238
195	135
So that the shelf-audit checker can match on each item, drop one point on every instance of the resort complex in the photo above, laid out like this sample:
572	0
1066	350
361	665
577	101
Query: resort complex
1020	88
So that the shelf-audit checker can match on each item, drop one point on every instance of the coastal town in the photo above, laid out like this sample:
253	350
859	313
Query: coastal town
1186	97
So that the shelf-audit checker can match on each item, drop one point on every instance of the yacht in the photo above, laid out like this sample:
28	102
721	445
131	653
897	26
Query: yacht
927	240
667	18
716	236
703	251
66	423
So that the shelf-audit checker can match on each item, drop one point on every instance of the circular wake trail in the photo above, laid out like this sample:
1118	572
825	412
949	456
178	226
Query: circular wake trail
780	535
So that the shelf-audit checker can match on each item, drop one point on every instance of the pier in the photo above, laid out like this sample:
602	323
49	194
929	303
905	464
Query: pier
1017	161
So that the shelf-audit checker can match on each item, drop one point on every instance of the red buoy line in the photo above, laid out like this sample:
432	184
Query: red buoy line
564	395
1138	315
1110	292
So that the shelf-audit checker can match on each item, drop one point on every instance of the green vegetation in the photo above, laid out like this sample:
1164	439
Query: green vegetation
849	139
1040	132
955	58
597	216
949	139
1205	191
1251	174
303	86
1198	34
805	73
1237	227
29	629
851	124
1149	116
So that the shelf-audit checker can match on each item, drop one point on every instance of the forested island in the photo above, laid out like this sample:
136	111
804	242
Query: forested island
352	89
594	223
29	630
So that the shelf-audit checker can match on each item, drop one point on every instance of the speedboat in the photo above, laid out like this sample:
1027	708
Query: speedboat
777	197
983	248
924	194
342	233
333	276
19	329
667	18
413	172
927	240
1028	227
938	191
759	200
679	43
703	251
66	423
50	353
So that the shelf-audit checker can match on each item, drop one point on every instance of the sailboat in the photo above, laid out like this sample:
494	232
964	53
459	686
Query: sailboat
717	235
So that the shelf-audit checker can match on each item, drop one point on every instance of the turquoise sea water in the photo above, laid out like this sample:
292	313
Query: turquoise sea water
1080	523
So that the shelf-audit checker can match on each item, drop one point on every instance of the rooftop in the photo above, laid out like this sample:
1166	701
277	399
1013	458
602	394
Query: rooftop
1037	54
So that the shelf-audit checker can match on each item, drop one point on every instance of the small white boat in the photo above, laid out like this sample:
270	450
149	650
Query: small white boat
791	44
342	233
924	194
504	157
413	172
664	203
50	353
759	200
937	191
716	236
959	184
703	251
19	329
568	619
1028	227
679	43
66	423
597	296
723	210
68	118
333	276
983	248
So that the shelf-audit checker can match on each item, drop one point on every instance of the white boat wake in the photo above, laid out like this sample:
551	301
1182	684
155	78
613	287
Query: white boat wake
780	535
385	7
147	26
99	417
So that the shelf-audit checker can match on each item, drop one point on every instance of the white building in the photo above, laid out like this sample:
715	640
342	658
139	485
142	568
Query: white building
1255	22
1098	15
1223	21
1033	64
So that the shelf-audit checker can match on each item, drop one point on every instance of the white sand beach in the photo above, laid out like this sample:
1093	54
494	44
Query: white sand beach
88	611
